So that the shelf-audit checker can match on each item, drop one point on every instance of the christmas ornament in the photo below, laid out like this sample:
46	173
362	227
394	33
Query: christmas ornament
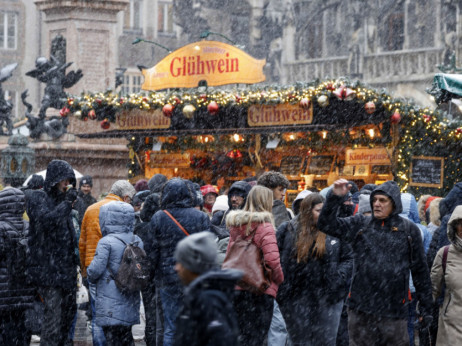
188	111
78	114
105	124
361	95
345	94
64	112
427	118
304	102
459	130
99	101
369	107
213	108
330	86
323	101
92	114
167	110
70	101
396	117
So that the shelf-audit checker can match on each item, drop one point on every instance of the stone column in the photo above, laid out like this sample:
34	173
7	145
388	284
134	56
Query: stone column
90	29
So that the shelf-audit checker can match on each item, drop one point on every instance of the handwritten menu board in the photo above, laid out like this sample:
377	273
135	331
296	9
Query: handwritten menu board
291	165
320	164
427	171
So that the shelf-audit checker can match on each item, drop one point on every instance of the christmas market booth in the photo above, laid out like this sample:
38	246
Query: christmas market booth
313	132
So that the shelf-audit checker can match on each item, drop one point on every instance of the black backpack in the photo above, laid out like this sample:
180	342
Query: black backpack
18	257
134	272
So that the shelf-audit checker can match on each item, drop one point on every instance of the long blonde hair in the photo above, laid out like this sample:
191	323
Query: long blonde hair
307	233
259	199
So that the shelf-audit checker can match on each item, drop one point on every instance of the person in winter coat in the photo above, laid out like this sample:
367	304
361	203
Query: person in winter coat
317	268
210	194
85	199
177	198
386	249
207	317
15	297
52	242
450	317
116	312
256	222
298	200
434	217
156	182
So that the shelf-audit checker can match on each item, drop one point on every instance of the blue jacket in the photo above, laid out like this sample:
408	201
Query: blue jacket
178	198
112	306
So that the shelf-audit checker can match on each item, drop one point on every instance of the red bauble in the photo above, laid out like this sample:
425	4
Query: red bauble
85	119
459	130
105	124
64	112
427	118
213	108
238	99
395	118
92	114
369	107
122	100
99	101
330	87
304	102
167	110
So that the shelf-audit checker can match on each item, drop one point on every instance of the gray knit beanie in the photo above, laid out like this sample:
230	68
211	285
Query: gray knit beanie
197	252
123	188
364	205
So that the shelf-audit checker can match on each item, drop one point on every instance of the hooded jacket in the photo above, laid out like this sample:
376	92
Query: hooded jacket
178	198
385	251
12	227
207	317
450	317
82	203
113	307
264	237
51	237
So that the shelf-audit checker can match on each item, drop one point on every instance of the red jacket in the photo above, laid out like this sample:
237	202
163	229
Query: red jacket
265	239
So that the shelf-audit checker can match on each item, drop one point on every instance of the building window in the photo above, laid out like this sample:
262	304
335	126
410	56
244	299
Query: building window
133	18
8	30
132	83
165	17
395	31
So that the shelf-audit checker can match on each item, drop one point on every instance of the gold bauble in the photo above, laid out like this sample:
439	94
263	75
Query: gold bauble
188	111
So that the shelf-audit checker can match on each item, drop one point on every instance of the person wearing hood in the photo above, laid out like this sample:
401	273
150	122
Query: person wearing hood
387	248
52	242
298	200
207	317
278	183
178	198
447	275
85	199
156	182
115	311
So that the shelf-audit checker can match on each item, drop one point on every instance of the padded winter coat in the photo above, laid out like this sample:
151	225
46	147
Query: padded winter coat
12	227
90	232
51	237
82	203
178	199
261	225
385	251
450	317
112	306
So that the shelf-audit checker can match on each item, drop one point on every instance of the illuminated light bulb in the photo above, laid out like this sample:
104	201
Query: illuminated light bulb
324	134
206	139
236	137
292	137
371	133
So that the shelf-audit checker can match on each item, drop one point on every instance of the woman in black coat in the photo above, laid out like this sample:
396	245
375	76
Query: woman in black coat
15	297
316	270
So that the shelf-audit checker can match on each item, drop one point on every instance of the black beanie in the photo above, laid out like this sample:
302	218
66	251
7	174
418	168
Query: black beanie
86	179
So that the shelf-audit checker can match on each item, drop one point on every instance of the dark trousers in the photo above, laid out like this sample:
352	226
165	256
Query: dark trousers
254	313
60	307
12	329
154	330
118	335
370	330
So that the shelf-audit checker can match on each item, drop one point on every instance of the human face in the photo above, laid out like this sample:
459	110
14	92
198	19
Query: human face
236	201
184	274
210	198
316	211
279	193
382	206
86	189
127	199
458	227
62	185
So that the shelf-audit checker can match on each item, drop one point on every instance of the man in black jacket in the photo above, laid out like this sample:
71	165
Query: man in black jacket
85	199
52	242
386	249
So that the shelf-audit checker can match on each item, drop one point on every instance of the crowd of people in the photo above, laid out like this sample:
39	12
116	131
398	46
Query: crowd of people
342	266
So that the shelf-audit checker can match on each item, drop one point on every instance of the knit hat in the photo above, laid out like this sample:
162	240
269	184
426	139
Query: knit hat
364	204
208	189
122	188
36	182
141	185
156	182
197	252
221	203
86	179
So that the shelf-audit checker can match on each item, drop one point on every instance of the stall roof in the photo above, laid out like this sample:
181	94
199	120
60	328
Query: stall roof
449	82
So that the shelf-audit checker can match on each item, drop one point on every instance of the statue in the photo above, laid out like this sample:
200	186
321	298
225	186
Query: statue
355	58
5	105
53	73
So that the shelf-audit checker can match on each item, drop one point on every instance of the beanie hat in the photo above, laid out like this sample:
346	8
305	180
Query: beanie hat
208	189
86	179
141	185
122	188
36	182
364	205
156	182
221	203
197	252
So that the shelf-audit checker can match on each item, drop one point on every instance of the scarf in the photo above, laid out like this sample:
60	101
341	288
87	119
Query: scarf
457	242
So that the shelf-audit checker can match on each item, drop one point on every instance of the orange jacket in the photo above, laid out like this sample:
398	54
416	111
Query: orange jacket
90	232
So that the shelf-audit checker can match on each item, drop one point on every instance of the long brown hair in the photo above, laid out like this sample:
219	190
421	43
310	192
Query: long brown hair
310	241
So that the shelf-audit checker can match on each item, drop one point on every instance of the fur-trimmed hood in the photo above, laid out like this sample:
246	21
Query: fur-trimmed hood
435	217
456	215
238	218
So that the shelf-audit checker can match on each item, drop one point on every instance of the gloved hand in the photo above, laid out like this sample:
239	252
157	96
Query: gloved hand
424	322
71	195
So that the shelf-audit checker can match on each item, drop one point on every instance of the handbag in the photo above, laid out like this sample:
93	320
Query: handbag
245	256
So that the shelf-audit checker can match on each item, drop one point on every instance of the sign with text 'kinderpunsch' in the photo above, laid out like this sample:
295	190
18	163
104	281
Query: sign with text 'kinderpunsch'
217	63
375	156
282	114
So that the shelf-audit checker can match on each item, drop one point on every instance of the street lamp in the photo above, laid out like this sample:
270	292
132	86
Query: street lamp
138	40
207	33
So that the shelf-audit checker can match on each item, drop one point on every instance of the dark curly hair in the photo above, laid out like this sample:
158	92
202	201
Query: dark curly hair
273	179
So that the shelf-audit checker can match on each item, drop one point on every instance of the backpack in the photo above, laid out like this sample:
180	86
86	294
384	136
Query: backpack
134	273
18	258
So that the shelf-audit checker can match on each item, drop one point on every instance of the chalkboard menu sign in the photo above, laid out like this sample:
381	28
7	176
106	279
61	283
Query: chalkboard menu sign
427	171
320	164
291	165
